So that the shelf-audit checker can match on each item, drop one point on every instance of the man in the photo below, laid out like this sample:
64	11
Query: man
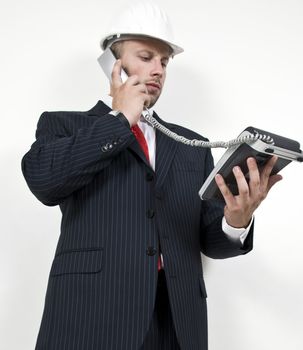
127	270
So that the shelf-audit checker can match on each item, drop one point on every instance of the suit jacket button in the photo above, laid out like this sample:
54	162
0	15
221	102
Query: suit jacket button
150	213
159	195
149	177
151	251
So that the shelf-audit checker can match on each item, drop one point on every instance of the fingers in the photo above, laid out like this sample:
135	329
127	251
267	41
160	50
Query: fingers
254	178
268	180
261	183
142	89
130	96
265	175
273	180
239	208
256	185
242	184
131	81
116	74
225	191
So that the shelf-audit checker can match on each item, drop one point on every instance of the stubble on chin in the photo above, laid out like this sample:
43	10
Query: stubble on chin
153	100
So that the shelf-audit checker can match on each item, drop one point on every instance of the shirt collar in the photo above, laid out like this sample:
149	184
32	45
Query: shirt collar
108	100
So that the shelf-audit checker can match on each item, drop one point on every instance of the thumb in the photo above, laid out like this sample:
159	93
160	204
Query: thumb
273	180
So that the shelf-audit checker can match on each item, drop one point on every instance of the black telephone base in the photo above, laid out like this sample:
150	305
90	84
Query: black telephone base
286	149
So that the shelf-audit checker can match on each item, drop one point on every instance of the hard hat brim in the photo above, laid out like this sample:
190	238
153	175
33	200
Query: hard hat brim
108	40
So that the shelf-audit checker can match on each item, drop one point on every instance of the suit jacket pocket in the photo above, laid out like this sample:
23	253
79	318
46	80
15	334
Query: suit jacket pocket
202	287
77	262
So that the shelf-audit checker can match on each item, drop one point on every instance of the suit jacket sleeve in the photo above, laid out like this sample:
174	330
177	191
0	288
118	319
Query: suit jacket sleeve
214	242
70	149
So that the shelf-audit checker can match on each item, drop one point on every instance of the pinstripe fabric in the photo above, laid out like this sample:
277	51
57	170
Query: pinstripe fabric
115	212
161	334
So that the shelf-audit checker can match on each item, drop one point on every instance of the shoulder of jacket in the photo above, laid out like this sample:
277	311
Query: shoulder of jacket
62	116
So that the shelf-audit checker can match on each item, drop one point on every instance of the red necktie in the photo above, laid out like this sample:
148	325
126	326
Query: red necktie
142	142
141	139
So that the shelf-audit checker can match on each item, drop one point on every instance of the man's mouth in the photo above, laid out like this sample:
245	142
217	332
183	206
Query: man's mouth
154	85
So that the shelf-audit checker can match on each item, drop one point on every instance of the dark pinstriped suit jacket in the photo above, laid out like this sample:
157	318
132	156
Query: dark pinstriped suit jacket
116	212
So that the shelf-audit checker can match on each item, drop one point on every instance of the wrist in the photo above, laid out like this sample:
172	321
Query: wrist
239	224
119	115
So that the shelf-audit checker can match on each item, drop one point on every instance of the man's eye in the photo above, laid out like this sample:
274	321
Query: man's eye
144	58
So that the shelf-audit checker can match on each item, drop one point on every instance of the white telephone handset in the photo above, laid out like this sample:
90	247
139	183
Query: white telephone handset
107	61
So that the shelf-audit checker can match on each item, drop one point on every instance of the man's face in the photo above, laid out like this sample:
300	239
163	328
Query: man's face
148	60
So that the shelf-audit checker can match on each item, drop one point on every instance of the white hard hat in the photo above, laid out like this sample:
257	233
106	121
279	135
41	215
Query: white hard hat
143	19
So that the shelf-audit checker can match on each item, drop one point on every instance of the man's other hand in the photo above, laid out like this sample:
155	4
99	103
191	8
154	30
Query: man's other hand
239	209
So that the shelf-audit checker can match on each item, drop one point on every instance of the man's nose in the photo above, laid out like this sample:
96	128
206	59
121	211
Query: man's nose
157	69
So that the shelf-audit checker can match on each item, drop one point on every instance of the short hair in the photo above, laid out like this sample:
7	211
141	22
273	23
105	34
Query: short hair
116	47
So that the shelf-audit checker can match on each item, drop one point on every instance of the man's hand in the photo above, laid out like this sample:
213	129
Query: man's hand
239	209
130	97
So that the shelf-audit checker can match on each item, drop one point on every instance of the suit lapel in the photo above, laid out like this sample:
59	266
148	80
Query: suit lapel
101	109
165	146
165	152
136	148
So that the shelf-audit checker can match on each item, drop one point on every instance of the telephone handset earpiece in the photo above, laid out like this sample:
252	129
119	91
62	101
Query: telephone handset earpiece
107	61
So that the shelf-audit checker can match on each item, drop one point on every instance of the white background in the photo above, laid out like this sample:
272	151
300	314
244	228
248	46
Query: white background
242	66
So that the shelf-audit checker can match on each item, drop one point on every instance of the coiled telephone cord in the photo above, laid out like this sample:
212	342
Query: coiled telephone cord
199	143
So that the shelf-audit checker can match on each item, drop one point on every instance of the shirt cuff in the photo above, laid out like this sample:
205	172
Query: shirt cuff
236	234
